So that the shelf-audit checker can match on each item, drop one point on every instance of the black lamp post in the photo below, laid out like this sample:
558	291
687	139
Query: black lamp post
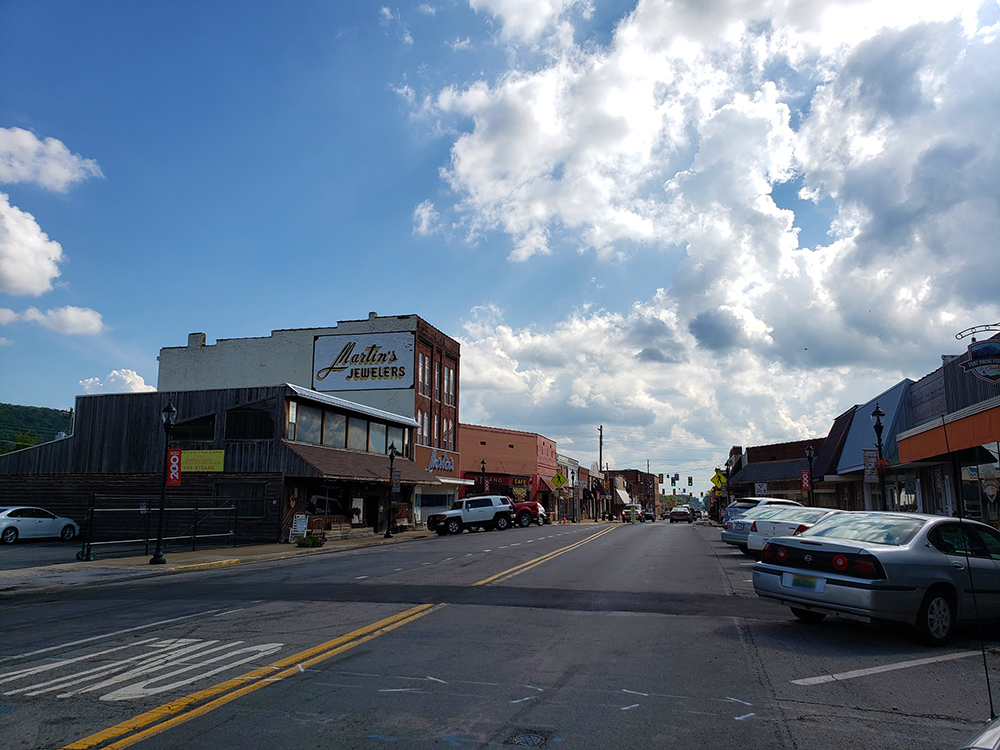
392	486
877	415
572	495
168	415
809	458
482	468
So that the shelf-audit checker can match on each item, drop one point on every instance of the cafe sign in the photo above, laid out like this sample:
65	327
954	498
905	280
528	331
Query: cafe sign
349	362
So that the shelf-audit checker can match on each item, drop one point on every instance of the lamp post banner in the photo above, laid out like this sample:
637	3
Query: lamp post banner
871	475
805	481
174	467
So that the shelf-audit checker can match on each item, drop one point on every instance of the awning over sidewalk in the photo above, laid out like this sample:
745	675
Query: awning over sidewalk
622	497
546	485
973	427
334	463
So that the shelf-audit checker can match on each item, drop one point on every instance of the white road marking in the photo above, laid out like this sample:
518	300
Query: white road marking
627	708
425	563
516	544
397	570
884	668
435	679
300	668
502	547
223	614
399	690
448	558
359	578
522	700
635	692
737	700
106	635
487	550
744	716
55	665
532	687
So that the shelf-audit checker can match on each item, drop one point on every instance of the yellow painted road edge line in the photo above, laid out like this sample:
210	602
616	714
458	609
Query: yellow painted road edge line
518	569
310	655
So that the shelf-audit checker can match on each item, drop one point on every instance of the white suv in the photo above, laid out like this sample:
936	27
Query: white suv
483	512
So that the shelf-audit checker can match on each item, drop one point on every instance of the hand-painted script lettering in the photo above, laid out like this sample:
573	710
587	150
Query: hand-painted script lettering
372	358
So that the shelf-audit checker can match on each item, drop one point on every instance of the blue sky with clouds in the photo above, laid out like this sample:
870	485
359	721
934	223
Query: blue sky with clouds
697	224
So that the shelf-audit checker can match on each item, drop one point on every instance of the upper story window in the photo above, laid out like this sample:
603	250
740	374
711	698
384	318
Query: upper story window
420	373
437	381
420	427
427	375
250	423
357	433
313	424
437	439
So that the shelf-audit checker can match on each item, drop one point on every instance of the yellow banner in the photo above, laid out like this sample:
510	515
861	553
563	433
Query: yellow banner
202	460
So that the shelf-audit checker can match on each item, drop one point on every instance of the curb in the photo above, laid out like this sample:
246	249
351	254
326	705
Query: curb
206	565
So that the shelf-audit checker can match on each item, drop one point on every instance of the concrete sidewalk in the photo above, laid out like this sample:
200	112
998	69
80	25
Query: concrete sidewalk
130	568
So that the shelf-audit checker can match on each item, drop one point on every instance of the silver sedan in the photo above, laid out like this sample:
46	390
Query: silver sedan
927	571
25	522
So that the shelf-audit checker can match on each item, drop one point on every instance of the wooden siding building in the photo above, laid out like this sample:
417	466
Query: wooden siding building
285	450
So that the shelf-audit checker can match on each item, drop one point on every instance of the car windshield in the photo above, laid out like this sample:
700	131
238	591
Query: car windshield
874	529
457	505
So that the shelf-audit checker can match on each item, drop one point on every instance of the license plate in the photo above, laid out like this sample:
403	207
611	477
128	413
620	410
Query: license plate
799	581
738	526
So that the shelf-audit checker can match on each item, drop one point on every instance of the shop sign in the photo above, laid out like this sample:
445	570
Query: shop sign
202	460
871	474
440	462
347	362
990	487
984	360
760	489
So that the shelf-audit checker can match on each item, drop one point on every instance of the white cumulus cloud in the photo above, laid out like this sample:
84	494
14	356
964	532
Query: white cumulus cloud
29	260
117	381
67	320
45	162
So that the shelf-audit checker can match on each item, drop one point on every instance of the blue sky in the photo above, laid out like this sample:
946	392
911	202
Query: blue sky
698	225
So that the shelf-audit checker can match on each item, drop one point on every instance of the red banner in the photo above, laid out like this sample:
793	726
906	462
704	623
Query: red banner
174	467
805	481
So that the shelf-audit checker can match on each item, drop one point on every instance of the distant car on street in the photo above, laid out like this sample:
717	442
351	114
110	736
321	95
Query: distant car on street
649	515
631	513
26	522
681	513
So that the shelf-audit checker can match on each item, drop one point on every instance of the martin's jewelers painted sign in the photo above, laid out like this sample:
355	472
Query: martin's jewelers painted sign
363	362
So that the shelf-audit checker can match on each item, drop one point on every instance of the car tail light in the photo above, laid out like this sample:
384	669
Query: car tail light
765	554
780	554
802	527
753	527
867	566
725	526
839	563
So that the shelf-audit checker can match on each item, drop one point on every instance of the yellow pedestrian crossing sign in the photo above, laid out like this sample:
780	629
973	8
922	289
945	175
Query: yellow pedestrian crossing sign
718	480
558	480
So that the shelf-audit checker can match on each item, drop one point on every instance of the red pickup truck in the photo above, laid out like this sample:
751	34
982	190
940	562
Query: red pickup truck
526	512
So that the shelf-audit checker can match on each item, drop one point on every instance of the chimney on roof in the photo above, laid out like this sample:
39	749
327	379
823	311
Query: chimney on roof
372	315
196	339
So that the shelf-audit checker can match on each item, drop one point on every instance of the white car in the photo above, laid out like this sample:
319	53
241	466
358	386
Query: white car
786	522
25	522
473	513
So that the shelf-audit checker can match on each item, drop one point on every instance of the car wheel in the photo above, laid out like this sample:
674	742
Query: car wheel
454	526
9	535
524	520
806	615
690	520
936	618
67	533
540	521
501	523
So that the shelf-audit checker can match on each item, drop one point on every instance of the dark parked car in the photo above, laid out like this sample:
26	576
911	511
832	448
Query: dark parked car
681	513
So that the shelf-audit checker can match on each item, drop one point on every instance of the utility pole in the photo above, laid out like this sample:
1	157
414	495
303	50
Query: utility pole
600	457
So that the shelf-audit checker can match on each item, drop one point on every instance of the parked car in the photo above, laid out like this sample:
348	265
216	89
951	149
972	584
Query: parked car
742	504
649	515
474	513
916	569
786	522
25	522
680	513
529	512
737	528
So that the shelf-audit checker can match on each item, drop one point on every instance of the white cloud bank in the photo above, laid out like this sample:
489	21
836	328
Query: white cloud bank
667	143
117	381
29	260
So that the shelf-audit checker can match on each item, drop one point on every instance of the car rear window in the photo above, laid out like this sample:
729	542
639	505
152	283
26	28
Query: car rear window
874	529
803	515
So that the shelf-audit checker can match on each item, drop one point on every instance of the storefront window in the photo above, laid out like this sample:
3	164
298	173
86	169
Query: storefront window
334	429
394	436
309	424
376	437
357	433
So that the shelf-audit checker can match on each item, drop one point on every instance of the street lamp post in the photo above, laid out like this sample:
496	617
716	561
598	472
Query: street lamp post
168	415
809	457
572	492
392	486
877	415
482	469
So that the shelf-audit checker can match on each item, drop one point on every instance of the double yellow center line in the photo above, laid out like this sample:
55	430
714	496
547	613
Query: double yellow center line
191	706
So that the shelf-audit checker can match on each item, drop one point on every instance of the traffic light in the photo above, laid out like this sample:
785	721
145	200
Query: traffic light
689	481
673	482
661	479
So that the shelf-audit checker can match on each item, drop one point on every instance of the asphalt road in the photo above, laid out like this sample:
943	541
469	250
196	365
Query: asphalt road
588	636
